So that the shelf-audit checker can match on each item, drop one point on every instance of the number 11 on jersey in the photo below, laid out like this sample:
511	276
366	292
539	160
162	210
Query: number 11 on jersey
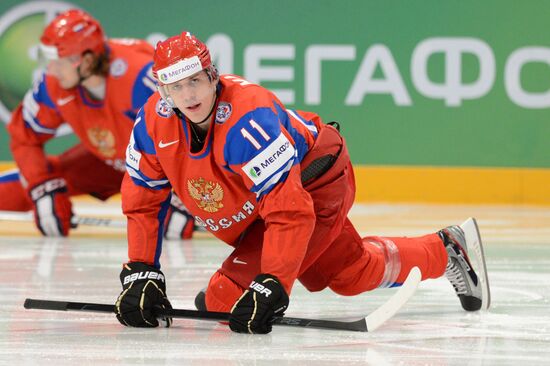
251	138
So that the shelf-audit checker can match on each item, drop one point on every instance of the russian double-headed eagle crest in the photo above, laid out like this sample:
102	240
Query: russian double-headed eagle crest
207	195
103	140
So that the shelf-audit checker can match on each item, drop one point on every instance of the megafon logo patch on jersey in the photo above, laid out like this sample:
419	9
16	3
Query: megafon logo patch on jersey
163	108
271	159
255	171
223	112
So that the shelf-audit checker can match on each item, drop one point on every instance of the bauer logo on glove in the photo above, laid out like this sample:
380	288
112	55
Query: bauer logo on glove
261	289
253	313
143	276
143	291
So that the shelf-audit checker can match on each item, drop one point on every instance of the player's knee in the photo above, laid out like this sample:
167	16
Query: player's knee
352	285
222	293
14	197
364	274
313	280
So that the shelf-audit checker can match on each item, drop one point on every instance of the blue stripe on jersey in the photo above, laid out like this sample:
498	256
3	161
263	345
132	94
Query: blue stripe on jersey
184	125
35	125
11	176
161	217
204	154
142	180
88	101
143	142
130	114
41	95
144	86
299	139
308	124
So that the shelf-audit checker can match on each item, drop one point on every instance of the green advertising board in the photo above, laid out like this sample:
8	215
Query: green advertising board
413	83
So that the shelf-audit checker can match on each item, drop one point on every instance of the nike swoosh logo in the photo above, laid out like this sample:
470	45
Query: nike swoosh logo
237	261
162	145
63	101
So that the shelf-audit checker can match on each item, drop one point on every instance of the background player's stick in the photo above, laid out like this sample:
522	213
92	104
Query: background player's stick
75	221
368	324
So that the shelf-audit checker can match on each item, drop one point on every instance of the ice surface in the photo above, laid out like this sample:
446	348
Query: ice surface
432	329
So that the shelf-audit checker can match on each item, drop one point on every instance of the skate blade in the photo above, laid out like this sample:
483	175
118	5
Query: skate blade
474	245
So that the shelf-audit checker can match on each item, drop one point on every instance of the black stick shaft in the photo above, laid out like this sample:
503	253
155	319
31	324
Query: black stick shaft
359	325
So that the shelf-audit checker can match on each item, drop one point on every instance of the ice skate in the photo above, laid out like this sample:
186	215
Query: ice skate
472	288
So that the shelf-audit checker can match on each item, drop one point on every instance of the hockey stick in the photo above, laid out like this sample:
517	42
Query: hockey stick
368	324
75	221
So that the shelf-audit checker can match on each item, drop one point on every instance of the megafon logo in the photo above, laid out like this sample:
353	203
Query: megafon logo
20	30
255	171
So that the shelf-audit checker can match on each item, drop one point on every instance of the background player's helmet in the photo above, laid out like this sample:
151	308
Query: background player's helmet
179	57
72	32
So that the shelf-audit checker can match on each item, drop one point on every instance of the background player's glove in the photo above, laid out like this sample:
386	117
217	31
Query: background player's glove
179	222
52	207
143	289
254	311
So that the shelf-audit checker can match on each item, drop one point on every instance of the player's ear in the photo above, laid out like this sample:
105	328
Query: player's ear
213	74
87	63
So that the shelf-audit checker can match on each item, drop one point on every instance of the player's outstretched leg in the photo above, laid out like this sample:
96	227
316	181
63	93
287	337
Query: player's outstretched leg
472	288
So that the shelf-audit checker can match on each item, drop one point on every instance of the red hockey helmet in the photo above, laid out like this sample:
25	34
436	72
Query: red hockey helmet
72	33
179	57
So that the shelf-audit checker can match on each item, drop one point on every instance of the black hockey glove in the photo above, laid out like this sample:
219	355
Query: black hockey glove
143	289
254	311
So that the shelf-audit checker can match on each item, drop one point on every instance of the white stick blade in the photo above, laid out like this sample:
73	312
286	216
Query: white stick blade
396	302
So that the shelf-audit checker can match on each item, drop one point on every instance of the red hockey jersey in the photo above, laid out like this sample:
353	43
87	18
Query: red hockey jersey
102	127
249	167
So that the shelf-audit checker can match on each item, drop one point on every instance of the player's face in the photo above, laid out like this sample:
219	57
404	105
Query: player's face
194	96
65	71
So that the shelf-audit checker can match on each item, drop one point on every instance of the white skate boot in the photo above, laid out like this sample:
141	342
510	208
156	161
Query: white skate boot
472	288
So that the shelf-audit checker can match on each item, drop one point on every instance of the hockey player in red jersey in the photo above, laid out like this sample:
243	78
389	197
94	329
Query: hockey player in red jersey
97	86
276	184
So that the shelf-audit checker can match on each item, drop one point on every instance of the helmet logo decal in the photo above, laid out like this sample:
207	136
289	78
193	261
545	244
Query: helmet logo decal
79	27
180	70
